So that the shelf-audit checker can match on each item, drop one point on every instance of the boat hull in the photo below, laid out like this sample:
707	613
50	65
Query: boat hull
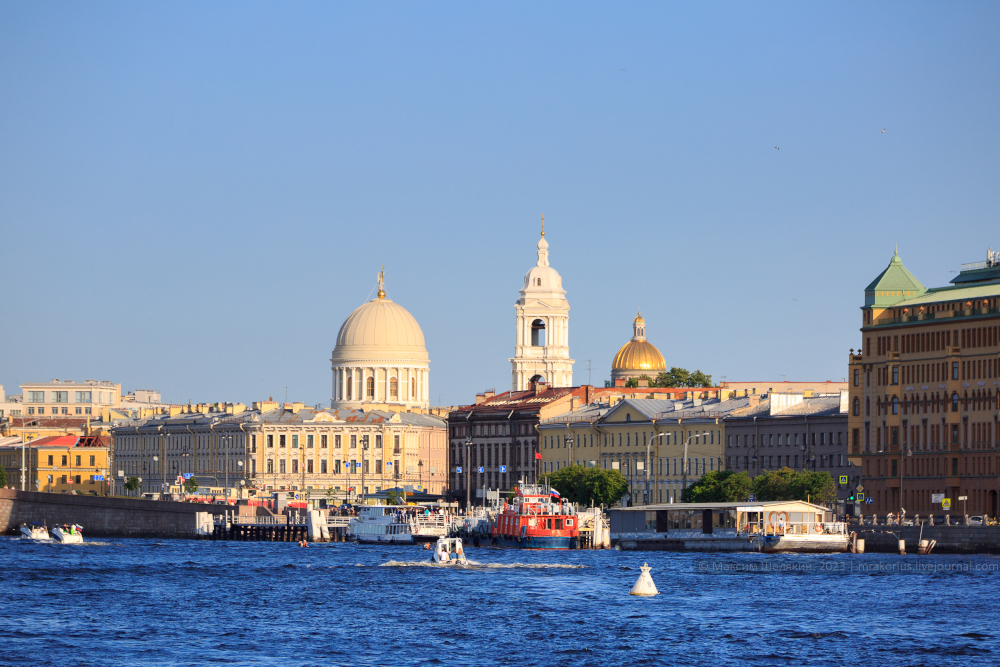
369	538
34	533
64	537
774	544
536	542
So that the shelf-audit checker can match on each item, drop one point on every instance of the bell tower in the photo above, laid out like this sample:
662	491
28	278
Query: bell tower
541	345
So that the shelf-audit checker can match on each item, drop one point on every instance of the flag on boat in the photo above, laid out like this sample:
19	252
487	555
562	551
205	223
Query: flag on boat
538	456
553	492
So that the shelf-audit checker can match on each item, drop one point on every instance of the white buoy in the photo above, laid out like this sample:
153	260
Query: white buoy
644	584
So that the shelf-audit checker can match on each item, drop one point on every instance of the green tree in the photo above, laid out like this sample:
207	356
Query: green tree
394	497
786	484
586	486
132	484
681	377
699	379
719	486
3	477
634	382
191	485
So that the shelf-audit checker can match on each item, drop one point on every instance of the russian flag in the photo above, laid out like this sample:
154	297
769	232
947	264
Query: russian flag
553	492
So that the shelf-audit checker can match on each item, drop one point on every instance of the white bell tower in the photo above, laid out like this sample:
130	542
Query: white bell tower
541	346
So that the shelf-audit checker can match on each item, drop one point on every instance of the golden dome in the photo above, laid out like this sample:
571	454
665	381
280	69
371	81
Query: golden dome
638	319
638	355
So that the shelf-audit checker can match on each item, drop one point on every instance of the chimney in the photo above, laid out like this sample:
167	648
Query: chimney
619	382
480	398
490	393
643	382
588	393
539	387
296	406
574	404
754	400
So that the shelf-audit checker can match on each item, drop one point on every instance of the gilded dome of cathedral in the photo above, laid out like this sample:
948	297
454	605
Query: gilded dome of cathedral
639	354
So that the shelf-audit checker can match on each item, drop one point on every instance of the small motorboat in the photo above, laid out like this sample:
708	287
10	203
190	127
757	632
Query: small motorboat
68	534
34	531
449	551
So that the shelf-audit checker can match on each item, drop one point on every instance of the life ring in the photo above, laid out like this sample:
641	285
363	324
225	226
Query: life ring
818	528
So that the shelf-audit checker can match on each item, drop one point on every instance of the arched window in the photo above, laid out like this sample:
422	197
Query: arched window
954	402
413	389
394	388
538	333
857	406
895	405
538	282
350	386
868	407
370	387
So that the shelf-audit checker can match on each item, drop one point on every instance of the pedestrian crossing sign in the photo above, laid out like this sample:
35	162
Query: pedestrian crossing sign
843	479
861	496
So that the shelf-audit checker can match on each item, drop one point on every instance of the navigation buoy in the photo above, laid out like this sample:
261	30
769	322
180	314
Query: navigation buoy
644	584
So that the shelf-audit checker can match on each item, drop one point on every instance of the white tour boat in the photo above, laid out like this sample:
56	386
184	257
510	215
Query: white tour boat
68	534
428	524
449	551
381	524
34	531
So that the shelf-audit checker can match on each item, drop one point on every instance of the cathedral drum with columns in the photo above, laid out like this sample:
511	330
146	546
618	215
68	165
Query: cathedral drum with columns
380	357
541	350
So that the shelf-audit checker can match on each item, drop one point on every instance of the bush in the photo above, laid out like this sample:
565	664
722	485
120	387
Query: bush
588	486
720	486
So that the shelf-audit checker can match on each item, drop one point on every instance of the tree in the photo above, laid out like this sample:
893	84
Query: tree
3	477
719	486
394	497
681	377
132	484
588	486
191	485
786	484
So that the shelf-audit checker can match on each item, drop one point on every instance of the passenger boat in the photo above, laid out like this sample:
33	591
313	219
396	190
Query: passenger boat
68	534
768	526
536	519
35	531
428	526
449	551
381	524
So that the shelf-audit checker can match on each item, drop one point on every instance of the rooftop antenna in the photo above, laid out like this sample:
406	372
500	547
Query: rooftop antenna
588	370
286	394
783	376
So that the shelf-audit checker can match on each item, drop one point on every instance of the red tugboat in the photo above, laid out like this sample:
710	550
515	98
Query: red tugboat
538	519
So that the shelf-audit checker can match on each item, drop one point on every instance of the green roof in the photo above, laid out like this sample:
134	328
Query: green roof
893	285
958	293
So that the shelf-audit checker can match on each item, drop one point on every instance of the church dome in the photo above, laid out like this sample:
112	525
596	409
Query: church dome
380	329
638	355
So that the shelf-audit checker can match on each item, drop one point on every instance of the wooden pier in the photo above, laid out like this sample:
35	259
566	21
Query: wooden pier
274	529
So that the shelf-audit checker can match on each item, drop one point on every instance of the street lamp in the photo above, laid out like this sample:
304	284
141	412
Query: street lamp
685	463
420	470
162	478
364	460
468	443
242	481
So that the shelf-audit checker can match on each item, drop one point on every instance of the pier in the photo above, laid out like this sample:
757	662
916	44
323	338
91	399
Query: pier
279	528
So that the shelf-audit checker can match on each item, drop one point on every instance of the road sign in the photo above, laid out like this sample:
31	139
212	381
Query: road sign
936	498
388	464
963	497
98	478
480	468
946	504
843	479
503	468
861	496
869	501
458	469
296	496
188	475
860	488
750	499
179	480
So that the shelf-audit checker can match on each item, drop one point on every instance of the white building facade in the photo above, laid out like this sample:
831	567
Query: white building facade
541	347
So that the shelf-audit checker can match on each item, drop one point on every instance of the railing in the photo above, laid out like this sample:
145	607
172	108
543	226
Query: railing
280	520
972	266
788	528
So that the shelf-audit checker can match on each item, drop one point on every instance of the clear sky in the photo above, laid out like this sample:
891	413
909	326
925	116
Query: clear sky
194	196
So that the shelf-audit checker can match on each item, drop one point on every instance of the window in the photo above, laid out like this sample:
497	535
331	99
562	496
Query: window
83	397
41	410
63	460
322	466
295	441
954	370
281	441
270	466
895	374
370	387
253	443
857	407
354	441
322	441
60	397
538	333
36	397
378	441
309	441
954	403
79	411
336	442
378	466
857	375
282	465
93	460
270	440
394	388
895	405
50	459
413	388
309	465
86	411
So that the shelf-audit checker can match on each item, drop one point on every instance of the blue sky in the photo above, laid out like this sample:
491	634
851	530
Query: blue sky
194	196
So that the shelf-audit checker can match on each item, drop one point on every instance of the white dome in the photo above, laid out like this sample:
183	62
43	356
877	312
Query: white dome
380	329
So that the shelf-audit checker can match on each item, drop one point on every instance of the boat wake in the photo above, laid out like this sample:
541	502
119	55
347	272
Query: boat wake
486	566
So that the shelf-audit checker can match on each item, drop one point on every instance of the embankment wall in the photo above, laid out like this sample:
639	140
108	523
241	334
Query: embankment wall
101	516
950	539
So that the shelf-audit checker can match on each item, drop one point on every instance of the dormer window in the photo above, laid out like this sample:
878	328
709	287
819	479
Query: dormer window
538	282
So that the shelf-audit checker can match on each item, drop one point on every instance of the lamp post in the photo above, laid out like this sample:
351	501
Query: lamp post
420	471
648	445
156	460
685	462
468	443
242	481
364	460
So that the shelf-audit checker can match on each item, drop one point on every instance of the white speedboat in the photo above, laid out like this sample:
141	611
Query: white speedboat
34	531
449	551
68	534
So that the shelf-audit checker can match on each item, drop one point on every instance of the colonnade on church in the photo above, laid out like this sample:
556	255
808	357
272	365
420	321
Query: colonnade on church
351	383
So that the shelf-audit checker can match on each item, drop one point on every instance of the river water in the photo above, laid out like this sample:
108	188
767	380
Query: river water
147	602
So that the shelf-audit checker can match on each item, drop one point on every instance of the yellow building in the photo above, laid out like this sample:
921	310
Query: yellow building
58	464
659	445
923	392
69	398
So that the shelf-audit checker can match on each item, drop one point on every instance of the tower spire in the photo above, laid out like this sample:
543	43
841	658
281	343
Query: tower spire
543	224
381	283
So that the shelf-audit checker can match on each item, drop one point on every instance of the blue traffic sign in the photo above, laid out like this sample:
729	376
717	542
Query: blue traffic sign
458	469
503	468
188	475
869	501
750	499
98	478
388	464
480	468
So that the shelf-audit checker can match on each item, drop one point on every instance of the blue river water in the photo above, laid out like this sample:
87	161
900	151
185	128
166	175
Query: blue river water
147	602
